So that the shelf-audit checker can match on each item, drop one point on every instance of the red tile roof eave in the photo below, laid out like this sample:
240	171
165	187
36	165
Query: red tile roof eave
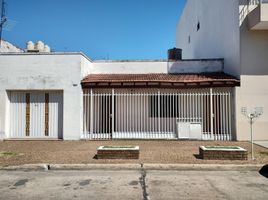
158	79
160	85
162	81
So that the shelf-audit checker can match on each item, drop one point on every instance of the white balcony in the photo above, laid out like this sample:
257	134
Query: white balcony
258	18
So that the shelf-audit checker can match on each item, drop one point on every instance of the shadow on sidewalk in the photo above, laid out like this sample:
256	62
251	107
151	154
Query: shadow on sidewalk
197	156
264	171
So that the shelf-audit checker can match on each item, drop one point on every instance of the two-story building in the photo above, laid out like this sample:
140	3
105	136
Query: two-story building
236	30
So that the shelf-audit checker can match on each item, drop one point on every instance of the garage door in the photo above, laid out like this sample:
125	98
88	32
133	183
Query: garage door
35	114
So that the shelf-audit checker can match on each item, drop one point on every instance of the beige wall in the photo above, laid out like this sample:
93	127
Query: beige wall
254	81
253	93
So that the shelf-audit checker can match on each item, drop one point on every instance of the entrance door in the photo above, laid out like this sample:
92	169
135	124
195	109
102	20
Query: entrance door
35	114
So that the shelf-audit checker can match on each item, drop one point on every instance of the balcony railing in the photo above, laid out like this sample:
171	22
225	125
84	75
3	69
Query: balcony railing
257	14
257	2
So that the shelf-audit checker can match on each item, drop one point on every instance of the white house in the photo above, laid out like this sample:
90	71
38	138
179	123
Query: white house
67	96
59	95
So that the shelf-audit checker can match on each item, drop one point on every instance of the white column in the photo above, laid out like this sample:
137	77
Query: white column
211	113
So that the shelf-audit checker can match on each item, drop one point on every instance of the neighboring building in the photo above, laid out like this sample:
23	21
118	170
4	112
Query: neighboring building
8	47
236	30
56	95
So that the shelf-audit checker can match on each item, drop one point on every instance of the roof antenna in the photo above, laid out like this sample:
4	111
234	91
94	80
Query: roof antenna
5	23
3	19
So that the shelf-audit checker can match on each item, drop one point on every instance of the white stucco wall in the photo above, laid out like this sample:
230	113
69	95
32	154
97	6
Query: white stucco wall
145	67
218	36
46	72
129	67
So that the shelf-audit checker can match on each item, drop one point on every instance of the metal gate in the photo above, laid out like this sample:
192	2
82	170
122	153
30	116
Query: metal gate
156	114
35	114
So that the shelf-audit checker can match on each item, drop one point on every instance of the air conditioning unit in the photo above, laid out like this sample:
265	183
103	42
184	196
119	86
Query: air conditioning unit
189	130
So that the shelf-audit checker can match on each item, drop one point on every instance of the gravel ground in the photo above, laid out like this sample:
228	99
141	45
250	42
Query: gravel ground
79	152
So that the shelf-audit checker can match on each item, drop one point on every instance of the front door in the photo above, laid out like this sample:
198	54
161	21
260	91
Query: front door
37	114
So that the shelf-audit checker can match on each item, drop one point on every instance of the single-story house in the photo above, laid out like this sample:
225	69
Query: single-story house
59	95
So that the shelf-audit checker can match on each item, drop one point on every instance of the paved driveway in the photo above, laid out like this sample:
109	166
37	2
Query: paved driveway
133	184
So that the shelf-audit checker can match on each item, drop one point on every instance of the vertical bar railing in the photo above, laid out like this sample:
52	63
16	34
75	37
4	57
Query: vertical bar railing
154	114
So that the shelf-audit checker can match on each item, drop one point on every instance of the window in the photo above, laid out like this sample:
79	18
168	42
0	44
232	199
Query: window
167	107
189	39
198	26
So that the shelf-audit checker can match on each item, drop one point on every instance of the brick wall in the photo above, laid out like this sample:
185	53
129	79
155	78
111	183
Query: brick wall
222	155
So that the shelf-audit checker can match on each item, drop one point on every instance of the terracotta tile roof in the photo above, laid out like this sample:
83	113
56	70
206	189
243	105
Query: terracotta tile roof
94	80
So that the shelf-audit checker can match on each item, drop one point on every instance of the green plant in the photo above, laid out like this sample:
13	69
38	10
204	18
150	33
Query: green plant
7	153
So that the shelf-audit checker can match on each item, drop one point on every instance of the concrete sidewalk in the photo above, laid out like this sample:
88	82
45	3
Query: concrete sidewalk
262	143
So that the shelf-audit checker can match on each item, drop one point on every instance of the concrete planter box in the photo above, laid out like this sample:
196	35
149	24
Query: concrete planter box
118	152
223	153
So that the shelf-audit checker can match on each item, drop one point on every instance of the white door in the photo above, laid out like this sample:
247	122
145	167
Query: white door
35	114
55	115
17	114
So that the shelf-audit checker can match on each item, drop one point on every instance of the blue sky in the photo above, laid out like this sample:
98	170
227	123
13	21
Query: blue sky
114	29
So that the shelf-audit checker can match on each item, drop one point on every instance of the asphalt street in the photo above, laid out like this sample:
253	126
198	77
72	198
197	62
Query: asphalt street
132	184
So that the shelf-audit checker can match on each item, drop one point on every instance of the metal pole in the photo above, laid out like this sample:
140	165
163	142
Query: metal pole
3	19
211	114
158	96
251	134
91	113
112	113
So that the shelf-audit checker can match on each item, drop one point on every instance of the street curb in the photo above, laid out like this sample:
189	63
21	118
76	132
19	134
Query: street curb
27	167
203	167
146	166
95	166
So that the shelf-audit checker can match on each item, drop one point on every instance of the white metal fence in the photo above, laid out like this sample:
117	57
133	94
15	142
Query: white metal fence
154	114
